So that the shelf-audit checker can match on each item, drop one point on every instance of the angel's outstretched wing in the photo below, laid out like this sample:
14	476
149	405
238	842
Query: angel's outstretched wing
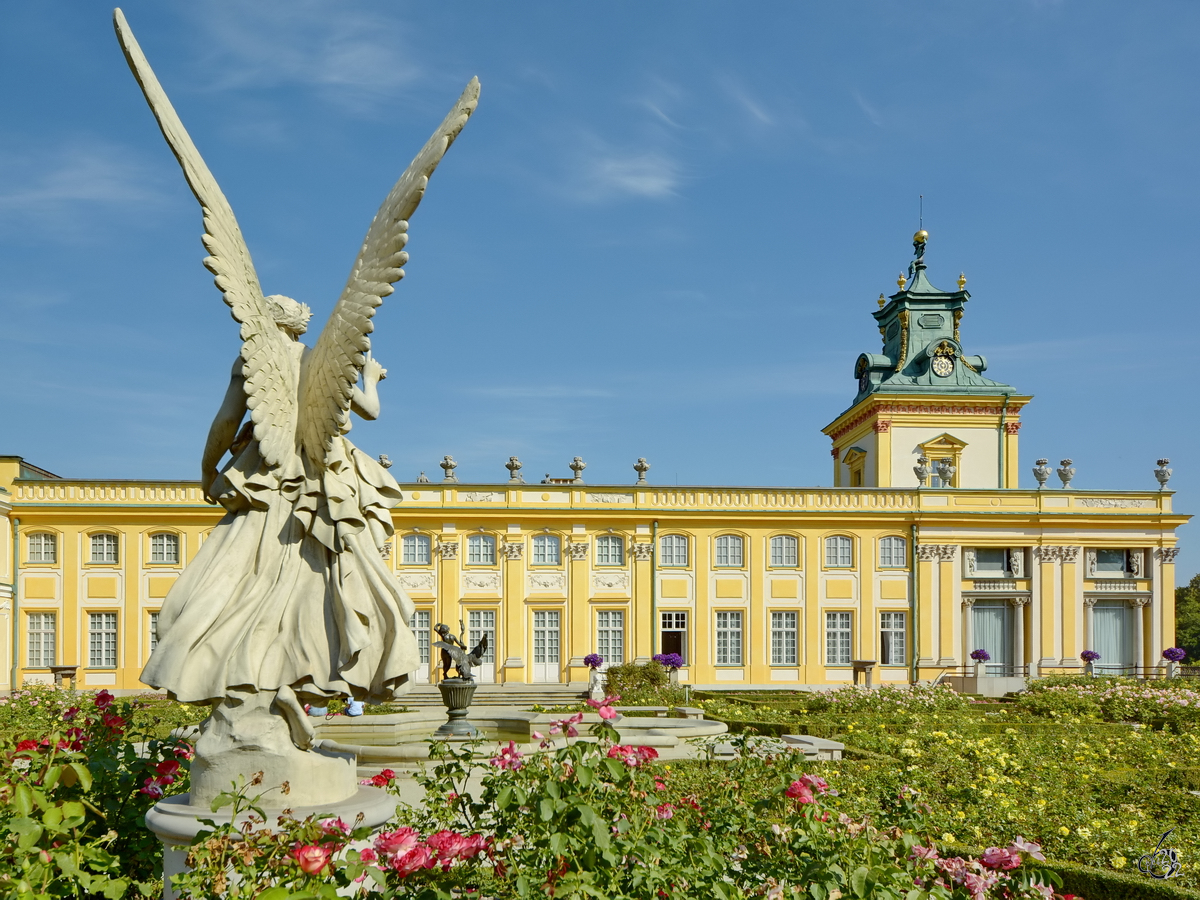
332	368
269	364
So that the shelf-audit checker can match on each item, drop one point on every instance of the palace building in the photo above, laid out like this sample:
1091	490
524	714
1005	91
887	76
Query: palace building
923	550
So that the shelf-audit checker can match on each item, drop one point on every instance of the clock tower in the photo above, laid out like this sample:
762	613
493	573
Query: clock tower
922	396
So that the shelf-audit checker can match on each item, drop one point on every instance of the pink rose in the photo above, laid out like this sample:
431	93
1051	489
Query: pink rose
448	844
799	791
919	852
396	843
368	855
310	858
152	788
419	857
1031	847
816	782
664	811
997	858
104	700
607	712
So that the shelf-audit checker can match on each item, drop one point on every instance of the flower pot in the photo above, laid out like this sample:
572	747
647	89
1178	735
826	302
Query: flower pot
456	695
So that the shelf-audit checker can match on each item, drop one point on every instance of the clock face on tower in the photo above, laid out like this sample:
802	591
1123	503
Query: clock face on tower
942	366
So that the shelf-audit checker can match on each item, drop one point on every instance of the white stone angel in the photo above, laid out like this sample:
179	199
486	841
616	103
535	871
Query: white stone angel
289	599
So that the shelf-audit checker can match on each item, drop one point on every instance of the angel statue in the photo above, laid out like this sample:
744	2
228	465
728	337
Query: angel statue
454	652
289	601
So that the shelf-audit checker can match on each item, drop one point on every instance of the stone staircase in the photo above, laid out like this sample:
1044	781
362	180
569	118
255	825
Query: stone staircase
523	696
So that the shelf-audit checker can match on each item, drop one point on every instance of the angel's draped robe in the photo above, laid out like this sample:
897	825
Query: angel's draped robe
291	587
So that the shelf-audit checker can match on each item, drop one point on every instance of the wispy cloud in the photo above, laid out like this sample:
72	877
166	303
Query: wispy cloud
871	112
742	98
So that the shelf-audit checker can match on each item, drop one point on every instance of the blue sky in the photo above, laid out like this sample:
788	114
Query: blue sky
661	235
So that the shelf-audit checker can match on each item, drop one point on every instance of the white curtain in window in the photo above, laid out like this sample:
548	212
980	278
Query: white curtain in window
1114	634
994	633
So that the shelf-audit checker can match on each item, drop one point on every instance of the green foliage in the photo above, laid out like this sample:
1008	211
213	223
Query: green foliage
1187	620
648	684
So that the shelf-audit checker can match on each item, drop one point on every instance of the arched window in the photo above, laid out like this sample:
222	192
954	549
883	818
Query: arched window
610	550
104	548
546	550
43	547
729	550
785	550
893	553
414	550
481	550
838	552
164	548
673	550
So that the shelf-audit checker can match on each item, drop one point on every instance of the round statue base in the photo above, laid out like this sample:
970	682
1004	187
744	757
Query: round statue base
176	822
456	695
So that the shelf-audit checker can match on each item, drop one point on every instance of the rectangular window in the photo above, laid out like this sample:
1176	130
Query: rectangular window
673	551
153	632
546	637
610	636
164	548
784	639
838	639
102	640
610	550
546	550
892	635
43	548
785	550
41	640
420	625
481	550
838	552
414	550
104	548
991	561
479	623
673	638
729	550
729	639
893	553
1111	561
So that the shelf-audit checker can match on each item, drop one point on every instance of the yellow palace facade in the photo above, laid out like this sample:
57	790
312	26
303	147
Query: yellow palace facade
922	551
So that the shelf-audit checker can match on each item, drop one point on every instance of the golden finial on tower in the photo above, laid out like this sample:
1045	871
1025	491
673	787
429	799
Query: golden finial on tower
962	280
881	301
921	237
902	280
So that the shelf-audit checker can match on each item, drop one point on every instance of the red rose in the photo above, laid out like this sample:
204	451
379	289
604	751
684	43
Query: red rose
310	858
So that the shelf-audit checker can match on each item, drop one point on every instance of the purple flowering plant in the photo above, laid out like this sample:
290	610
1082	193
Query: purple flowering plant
670	660
593	660
1089	656
980	655
1174	654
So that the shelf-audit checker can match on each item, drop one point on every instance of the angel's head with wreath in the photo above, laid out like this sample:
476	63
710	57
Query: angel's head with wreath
289	314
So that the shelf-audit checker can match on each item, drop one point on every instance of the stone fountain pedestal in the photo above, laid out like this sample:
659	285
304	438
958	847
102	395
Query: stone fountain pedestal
456	695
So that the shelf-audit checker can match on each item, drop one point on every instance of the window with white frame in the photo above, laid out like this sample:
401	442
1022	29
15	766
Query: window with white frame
102	640
482	622
546	550
1112	562
104	548
41	640
893	553
610	636
892	637
785	642
414	550
610	551
839	552
481	550
838	639
673	550
785	550
729	638
729	550
991	561
164	548
153	631
420	624
42	547
673	638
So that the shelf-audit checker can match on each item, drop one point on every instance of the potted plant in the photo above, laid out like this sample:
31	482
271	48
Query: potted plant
1174	656
673	663
980	656
595	680
1089	658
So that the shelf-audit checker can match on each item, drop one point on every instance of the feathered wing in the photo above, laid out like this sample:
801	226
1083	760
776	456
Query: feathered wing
332	368
269	362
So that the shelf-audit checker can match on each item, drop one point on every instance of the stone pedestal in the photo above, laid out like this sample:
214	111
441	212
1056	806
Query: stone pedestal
457	694
596	684
176	822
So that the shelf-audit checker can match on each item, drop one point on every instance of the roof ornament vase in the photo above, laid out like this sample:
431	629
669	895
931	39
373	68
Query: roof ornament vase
921	470
449	465
1042	472
514	470
577	466
1162	473
641	467
1066	472
946	472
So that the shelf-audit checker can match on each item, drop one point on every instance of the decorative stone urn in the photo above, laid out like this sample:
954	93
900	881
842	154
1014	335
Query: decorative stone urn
456	695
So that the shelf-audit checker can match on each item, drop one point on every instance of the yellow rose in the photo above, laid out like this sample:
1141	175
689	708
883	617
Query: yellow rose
1064	830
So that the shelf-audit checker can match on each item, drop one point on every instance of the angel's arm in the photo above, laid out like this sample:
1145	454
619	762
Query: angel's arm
224	428
365	400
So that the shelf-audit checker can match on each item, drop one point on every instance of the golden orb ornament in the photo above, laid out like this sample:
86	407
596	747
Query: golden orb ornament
921	236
